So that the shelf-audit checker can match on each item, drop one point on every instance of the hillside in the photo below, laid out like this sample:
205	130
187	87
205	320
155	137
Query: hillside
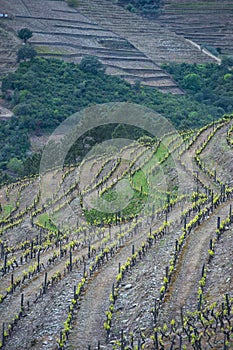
131	249
116	194
129	46
208	23
9	45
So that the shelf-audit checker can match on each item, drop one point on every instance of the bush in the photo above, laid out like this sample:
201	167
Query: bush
26	52
91	64
72	3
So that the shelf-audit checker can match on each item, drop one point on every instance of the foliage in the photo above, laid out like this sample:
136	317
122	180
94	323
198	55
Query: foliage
138	198
72	3
25	34
15	165
47	91
26	52
147	8
211	84
91	64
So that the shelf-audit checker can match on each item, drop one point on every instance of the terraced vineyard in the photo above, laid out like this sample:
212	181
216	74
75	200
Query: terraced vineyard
130	47
124	250
8	48
204	22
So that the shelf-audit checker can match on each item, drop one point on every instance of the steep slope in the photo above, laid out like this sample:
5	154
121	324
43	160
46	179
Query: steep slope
62	32
205	22
129	46
159	44
57	271
9	44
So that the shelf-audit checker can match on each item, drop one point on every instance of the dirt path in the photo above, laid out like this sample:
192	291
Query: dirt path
184	285
87	328
220	270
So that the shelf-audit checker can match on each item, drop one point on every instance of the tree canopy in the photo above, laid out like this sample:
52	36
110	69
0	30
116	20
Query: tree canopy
26	52
25	34
91	64
47	91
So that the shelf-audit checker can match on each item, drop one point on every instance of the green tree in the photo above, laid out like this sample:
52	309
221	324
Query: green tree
192	81
25	34
91	64
26	52
15	165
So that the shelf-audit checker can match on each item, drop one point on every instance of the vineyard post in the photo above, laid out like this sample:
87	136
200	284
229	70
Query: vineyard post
31	249
133	249
218	222
122	339
84	268
89	250
45	283
176	249
230	213
5	262
71	262
12	282
203	270
185	223
228	304
156	341
211	244
38	261
2	250
212	201
168	201
113	292
215	175
60	247
22	302
98	345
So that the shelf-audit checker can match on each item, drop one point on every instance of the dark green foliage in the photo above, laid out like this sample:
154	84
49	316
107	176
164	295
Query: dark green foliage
209	84
25	34
31	165
26	52
14	141
91	64
46	92
72	3
147	8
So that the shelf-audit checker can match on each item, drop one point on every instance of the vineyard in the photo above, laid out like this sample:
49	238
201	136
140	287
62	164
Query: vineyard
125	250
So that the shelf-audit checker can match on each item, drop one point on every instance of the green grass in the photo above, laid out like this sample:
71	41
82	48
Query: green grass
110	195
128	198
51	50
7	208
140	183
46	221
